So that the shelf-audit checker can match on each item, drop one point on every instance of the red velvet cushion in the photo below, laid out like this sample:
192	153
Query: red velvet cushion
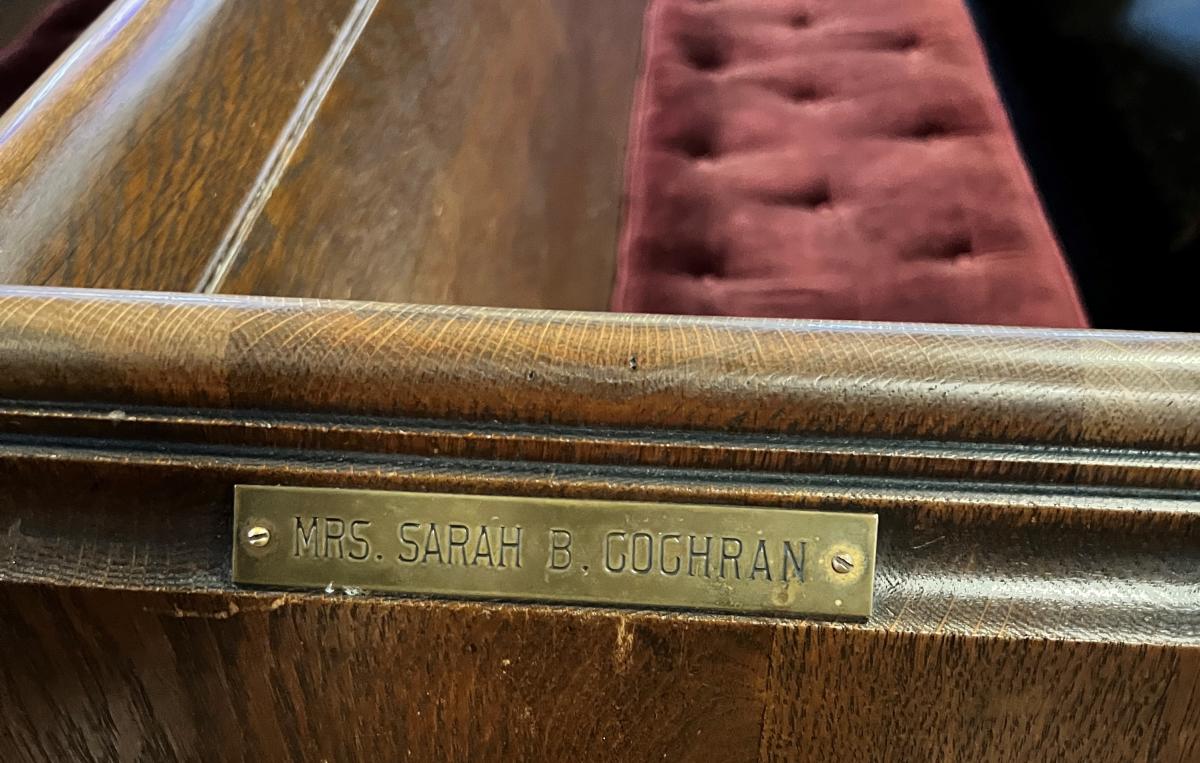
844	159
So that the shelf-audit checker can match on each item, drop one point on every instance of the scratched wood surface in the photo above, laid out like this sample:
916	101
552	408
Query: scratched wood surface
443	151
1037	581
280	677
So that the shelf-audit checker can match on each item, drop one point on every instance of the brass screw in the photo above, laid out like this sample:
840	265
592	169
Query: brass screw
842	563
258	536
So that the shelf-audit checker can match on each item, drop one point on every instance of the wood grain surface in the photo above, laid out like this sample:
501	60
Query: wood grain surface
1038	569
468	153
937	383
452	152
122	166
309	678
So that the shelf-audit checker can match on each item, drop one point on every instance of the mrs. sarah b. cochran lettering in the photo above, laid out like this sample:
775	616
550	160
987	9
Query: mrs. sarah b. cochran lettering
452	543
623	551
728	558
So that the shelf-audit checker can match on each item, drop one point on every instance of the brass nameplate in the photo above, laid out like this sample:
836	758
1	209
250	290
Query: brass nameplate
730	558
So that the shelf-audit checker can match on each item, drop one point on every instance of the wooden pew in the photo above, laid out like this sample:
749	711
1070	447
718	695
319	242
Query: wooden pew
1035	581
456	149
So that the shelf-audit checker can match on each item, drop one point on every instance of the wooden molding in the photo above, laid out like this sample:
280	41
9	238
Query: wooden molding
964	384
1039	535
1036	493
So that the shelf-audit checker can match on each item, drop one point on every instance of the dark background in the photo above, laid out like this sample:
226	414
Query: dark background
15	15
1105	99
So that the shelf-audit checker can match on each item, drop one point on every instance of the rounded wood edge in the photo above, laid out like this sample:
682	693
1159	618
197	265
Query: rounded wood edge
958	383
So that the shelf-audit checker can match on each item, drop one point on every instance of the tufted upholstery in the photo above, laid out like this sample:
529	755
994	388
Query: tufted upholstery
844	159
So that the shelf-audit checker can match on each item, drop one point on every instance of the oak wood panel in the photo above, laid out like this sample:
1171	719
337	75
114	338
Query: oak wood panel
163	676
123	166
1038	568
467	153
776	377
968	559
460	152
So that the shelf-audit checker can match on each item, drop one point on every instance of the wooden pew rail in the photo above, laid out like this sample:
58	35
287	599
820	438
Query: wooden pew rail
1038	530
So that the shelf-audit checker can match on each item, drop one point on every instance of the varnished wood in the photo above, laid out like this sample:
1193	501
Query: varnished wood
446	152
937	383
1020	612
1039	545
285	677
120	167
467	153
962	559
